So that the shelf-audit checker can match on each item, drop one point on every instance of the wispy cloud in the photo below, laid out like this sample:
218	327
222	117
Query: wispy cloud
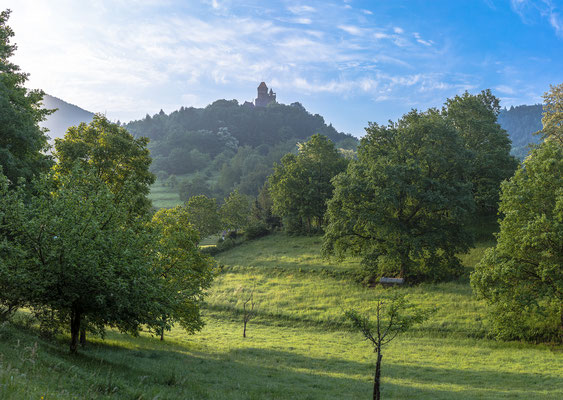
530	10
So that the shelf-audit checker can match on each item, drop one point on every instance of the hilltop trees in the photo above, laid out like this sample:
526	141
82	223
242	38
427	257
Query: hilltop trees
475	118
301	185
403	203
521	277
22	141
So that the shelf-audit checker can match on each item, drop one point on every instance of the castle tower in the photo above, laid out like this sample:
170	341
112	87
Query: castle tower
264	98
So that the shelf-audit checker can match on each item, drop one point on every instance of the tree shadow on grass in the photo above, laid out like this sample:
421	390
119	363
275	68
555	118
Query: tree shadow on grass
145	367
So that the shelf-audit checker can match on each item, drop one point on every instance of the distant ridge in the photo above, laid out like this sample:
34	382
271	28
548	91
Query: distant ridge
66	116
521	122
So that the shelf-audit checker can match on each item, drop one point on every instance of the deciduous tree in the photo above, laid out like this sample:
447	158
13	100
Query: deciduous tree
185	272
76	254
392	317
403	203
301	185
22	142
475	118
521	278
118	159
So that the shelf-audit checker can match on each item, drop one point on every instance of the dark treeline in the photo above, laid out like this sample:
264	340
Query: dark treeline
227	146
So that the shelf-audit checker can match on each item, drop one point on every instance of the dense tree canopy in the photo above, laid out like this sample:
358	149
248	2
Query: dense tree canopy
203	214
475	117
403	203
22	141
73	253
301	185
235	211
185	272
118	159
521	278
228	146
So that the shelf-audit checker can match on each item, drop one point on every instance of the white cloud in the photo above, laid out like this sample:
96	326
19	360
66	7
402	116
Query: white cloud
398	30
303	9
422	41
504	89
304	21
352	30
367	12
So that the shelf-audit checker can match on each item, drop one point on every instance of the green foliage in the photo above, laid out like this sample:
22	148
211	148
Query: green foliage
231	145
235	211
475	117
403	204
299	347
301	185
203	214
521	278
119	160
262	209
184	270
552	119
22	141
77	255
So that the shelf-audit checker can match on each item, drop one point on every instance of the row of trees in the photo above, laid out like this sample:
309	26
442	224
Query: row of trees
404	201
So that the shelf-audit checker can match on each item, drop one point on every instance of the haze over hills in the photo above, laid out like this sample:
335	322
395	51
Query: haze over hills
520	122
67	115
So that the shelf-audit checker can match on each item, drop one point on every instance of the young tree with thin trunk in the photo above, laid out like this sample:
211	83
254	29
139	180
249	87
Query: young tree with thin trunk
392	317
248	309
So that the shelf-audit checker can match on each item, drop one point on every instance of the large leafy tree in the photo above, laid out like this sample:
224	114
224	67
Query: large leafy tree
475	117
521	279
74	253
235	211
22	141
203	214
301	185
118	159
403	203
185	272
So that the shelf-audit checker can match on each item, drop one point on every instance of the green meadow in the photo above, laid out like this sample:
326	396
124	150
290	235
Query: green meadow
163	196
298	346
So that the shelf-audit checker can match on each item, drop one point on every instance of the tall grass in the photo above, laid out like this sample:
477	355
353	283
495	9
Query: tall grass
297	348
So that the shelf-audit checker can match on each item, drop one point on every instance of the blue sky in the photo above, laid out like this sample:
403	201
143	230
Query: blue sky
350	61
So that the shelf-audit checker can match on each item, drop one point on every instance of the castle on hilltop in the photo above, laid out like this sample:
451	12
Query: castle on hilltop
264	97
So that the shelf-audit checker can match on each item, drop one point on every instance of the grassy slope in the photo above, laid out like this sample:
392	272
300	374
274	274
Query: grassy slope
296	348
163	196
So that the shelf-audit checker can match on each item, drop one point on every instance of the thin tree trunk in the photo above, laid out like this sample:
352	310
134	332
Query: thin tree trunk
377	377
162	330
75	317
83	337
244	330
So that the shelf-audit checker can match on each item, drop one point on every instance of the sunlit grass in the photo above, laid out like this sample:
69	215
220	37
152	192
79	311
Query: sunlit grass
297	346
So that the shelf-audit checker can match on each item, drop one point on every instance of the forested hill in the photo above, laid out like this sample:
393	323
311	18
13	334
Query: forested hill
227	146
66	115
521	122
